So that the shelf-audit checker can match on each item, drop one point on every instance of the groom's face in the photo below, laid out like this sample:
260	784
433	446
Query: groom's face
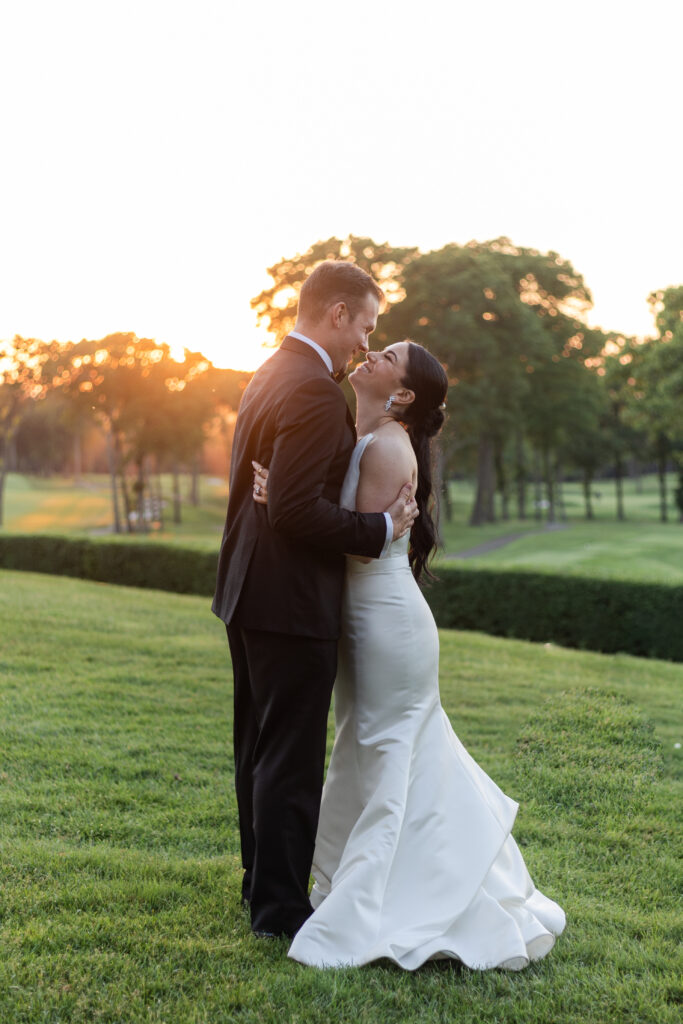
351	335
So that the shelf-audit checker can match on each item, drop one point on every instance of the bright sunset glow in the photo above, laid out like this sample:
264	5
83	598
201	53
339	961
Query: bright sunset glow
159	156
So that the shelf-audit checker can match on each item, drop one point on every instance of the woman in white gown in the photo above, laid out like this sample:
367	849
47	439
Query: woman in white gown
414	859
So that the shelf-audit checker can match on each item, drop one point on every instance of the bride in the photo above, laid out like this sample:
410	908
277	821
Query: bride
414	859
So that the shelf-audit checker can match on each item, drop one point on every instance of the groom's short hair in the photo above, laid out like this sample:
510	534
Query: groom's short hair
336	281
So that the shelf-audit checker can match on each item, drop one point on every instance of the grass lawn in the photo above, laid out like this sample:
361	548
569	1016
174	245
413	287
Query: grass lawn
120	875
648	552
639	548
57	505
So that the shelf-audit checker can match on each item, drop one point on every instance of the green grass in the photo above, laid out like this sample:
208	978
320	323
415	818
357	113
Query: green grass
641	501
118	845
647	552
58	505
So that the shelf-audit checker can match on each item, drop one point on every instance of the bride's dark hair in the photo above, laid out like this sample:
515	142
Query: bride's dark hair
423	418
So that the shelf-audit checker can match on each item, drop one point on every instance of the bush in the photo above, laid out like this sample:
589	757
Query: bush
599	615
151	565
604	615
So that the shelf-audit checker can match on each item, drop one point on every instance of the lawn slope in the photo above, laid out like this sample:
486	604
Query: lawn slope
118	842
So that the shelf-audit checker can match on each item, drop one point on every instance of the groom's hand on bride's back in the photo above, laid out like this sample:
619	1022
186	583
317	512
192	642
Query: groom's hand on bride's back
403	511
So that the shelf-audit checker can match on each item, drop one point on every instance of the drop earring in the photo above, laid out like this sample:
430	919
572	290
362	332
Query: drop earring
388	403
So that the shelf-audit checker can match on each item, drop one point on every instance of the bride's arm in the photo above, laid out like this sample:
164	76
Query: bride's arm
388	461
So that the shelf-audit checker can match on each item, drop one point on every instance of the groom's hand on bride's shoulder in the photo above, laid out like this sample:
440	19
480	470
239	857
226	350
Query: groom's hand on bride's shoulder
404	511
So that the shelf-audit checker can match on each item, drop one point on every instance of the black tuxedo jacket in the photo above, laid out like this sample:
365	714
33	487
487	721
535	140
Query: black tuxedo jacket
281	567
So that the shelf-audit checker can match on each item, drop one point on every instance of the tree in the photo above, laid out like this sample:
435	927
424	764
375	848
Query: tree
184	407
494	314
276	306
225	389
114	377
658	386
583	442
44	438
28	369
620	429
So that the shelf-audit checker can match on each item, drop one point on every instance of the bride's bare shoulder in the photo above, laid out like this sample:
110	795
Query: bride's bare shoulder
390	445
388	463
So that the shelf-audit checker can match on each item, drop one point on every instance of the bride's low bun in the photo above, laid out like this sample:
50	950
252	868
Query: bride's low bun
424	418
433	422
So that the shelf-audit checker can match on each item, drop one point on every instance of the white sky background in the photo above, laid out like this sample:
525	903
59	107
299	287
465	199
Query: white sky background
157	156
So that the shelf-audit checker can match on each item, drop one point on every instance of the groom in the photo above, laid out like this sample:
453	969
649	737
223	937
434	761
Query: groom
279	585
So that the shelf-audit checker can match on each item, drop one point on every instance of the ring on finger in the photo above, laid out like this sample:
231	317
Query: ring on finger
257	489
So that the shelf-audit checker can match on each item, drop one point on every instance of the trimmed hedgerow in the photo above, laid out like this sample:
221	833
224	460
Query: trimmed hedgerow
152	565
596	614
605	615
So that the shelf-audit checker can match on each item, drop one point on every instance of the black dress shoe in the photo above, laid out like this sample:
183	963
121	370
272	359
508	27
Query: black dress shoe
265	935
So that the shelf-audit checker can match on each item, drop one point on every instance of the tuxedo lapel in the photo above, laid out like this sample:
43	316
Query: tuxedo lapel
291	344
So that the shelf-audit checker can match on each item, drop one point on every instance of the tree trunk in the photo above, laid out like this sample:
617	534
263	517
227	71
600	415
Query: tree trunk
127	504
619	484
443	488
520	475
111	460
159	511
437	489
587	493
194	483
538	493
77	457
483	509
177	516
559	490
549	484
3	476
663	496
678	495
501	480
141	491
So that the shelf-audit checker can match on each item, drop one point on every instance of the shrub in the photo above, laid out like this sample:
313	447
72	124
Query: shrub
599	615
575	611
151	565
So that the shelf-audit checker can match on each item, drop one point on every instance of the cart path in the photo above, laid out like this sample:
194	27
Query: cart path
500	542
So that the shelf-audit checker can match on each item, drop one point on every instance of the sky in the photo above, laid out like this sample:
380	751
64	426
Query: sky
158	156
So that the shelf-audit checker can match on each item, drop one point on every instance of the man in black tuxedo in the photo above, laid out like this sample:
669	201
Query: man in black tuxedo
280	578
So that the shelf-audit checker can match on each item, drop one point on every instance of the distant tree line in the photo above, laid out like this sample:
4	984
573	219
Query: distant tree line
152	411
536	395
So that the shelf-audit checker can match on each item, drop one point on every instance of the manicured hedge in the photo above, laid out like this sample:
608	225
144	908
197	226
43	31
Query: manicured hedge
574	611
152	565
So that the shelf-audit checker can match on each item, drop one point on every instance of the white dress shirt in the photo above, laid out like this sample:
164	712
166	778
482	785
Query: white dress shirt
325	356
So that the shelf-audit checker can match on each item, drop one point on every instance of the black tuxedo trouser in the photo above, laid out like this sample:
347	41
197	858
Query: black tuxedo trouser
283	687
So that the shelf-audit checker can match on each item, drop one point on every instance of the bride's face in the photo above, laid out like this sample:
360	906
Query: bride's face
382	372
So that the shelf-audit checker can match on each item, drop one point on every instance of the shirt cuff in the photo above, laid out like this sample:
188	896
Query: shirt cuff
390	535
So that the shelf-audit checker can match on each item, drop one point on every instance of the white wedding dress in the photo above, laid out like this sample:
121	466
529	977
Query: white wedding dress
414	859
